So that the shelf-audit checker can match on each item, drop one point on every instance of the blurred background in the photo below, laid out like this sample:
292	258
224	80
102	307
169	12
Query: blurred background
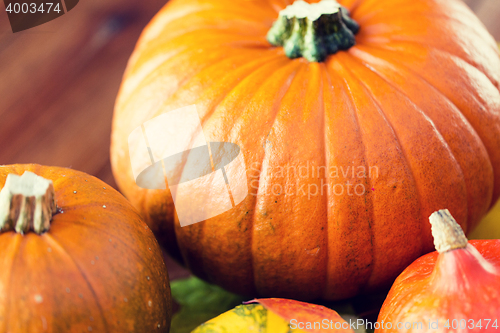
58	83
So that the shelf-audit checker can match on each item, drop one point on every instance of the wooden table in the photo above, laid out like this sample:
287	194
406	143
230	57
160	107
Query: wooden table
58	83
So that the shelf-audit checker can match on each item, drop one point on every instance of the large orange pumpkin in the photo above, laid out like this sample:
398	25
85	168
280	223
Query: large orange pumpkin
401	124
86	262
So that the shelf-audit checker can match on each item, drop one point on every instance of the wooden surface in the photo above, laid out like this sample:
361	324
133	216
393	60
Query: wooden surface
489	13
58	83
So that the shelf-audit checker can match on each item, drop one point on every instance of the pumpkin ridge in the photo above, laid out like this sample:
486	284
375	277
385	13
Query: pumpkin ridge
397	66
315	109
257	63
263	60
11	279
176	15
325	77
207	44
167	15
136	66
277	102
146	50
442	15
344	85
448	54
246	13
145	263
436	48
222	97
281	92
276	109
424	114
55	243
128	89
206	26
271	61
167	62
275	58
403	153
447	98
424	80
399	10
451	154
486	39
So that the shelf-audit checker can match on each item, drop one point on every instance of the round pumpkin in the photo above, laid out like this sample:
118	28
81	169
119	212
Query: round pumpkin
76	257
455	289
349	146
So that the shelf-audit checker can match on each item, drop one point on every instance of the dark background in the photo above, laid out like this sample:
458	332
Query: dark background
58	83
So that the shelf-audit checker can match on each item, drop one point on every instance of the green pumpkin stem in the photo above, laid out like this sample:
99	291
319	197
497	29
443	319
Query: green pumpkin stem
313	31
27	203
447	233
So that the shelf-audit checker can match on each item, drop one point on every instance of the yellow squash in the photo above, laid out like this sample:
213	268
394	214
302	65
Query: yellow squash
275	315
489	228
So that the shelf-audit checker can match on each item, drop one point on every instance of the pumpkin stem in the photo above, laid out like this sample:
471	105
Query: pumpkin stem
313	31
447	233
27	203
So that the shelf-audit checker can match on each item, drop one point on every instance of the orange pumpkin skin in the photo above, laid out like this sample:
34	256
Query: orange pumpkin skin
98	268
417	98
457	285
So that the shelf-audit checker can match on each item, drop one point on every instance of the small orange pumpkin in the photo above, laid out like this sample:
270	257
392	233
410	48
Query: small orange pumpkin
89	264
406	112
456	289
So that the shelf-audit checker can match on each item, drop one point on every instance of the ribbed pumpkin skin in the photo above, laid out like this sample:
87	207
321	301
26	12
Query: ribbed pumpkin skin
97	269
417	97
